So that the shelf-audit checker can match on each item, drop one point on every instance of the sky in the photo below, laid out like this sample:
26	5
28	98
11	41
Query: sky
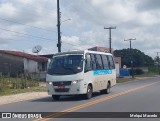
25	24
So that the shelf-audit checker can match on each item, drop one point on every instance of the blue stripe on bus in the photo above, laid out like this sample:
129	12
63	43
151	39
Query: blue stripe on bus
102	72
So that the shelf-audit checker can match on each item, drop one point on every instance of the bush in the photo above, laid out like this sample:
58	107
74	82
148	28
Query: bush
139	71
153	69
136	71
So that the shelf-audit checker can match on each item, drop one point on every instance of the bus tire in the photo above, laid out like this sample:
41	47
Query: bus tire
107	90
89	92
55	97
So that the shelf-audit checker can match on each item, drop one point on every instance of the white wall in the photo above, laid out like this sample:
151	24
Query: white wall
30	66
117	69
49	60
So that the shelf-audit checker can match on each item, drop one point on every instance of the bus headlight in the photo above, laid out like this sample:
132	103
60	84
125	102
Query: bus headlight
50	83
75	81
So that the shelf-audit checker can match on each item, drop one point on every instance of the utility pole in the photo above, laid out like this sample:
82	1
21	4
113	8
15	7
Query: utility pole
158	62
130	40
110	38
58	27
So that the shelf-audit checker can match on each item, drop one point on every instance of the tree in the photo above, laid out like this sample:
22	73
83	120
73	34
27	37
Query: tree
139	58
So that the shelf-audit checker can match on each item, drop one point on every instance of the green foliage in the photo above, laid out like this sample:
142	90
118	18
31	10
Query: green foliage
139	71
18	83
149	74
153	69
139	58
136	71
122	80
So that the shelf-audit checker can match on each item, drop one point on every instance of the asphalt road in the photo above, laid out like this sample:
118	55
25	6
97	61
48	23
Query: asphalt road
137	96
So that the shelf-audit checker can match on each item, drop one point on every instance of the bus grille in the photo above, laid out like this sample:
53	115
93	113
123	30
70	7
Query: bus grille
62	83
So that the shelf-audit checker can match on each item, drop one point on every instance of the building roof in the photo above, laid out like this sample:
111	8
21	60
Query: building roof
101	49
25	55
47	56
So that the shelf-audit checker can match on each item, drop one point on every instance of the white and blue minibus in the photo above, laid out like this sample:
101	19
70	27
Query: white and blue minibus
80	72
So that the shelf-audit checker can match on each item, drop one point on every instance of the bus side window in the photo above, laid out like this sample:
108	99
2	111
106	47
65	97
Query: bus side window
99	64
88	66
111	62
105	62
93	62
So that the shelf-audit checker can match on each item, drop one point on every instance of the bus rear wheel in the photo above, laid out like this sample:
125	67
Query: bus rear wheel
55	97
107	90
89	92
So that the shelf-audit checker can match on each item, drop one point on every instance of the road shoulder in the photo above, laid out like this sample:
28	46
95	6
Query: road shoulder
22	97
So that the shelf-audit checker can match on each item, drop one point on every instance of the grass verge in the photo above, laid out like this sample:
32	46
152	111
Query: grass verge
149	74
121	80
9	91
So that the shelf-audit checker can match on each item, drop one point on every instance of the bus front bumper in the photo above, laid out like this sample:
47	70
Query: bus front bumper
66	88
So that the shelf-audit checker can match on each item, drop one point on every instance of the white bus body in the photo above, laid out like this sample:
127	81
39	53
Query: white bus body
80	72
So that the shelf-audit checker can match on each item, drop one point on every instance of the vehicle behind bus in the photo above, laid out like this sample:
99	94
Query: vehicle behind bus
80	73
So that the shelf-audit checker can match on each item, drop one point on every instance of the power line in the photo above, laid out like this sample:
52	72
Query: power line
89	9
29	14
25	34
32	42
27	25
81	41
59	33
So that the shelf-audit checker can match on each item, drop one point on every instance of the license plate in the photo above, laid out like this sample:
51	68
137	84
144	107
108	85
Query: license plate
61	87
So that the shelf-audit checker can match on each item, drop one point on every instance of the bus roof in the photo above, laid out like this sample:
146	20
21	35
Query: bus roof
80	52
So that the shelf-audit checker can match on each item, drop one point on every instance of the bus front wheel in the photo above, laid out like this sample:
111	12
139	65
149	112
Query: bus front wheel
55	97
89	92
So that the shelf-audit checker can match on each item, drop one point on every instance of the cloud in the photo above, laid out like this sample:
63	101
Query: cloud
148	5
133	19
19	16
7	10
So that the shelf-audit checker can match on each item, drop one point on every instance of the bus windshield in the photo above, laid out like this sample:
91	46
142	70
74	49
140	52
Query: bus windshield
66	65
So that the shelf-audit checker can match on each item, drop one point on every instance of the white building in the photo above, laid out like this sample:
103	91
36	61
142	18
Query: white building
15	62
